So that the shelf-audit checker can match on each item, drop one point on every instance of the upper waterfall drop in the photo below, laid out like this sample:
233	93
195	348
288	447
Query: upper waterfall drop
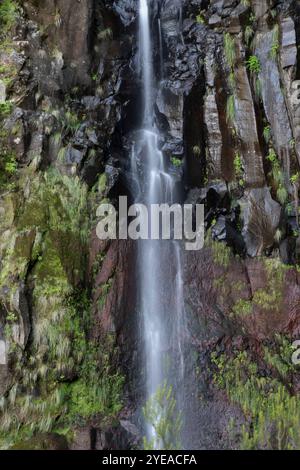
146	59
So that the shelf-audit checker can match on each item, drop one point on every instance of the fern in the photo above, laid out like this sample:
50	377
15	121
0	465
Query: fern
253	64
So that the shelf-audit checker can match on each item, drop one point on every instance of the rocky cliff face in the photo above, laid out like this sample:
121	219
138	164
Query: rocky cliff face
230	112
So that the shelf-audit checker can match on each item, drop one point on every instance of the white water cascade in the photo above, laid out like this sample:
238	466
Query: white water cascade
160	286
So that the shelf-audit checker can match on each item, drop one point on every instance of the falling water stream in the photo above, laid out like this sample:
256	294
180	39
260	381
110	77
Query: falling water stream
160	289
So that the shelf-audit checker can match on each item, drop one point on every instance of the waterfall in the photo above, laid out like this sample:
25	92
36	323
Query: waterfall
160	287
146	58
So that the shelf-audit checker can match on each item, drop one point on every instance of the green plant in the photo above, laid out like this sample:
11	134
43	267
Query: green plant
295	178
5	109
11	166
274	413
105	34
8	15
200	19
278	236
57	18
249	33
230	109
278	177
7	73
282	194
160	413
238	166
292	144
231	80
176	162
267	133
196	151
258	87
272	157
275	43
221	253
68	122
229	48
8	164
253	64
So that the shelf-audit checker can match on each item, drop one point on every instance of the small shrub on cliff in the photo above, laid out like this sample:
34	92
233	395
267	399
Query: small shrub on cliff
221	253
253	64
5	109
229	48
176	162
200	19
278	178
238	166
282	194
295	178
